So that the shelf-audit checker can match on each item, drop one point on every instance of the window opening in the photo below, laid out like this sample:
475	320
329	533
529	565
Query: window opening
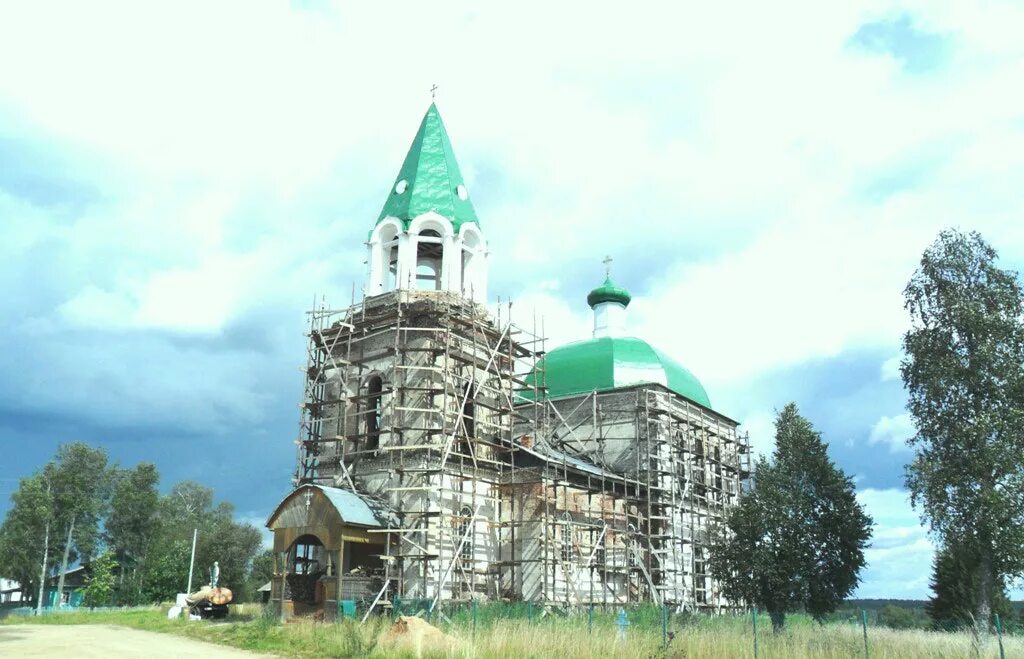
468	418
374	386
392	276
464	526
306	555
429	254
566	537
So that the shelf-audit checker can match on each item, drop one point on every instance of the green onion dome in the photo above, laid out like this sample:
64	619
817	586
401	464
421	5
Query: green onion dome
608	292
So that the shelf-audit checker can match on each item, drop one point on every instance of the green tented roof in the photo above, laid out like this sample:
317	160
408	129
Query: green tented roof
432	178
609	292
612	362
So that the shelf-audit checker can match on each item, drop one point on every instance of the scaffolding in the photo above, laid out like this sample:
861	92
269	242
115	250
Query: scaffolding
643	475
432	441
428	404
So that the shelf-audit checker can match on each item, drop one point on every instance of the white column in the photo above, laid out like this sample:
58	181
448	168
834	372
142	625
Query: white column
406	261
451	264
377	268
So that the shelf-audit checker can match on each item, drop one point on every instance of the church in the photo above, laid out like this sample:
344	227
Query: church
448	455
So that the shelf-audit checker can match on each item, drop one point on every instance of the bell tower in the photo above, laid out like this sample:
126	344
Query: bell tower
427	236
409	393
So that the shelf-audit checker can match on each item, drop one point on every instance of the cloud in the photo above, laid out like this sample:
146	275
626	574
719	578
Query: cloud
893	431
891	368
900	555
917	51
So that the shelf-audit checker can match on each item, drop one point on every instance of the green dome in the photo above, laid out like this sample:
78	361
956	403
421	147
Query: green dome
608	292
612	362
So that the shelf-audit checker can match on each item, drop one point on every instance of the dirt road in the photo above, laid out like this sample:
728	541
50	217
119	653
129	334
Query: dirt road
105	641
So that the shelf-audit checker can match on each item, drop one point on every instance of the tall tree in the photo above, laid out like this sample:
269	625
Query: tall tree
25	535
964	373
797	540
232	544
261	571
955	587
80	482
131	524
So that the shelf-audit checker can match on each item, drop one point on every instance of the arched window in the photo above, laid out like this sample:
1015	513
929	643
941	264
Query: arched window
566	537
429	255
391	281
372	413
631	546
468	418
599	555
465	526
306	554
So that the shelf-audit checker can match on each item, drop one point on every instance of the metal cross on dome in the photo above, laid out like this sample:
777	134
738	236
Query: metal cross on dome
433	92
607	266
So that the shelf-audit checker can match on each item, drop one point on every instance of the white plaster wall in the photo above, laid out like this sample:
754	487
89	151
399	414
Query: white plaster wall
609	319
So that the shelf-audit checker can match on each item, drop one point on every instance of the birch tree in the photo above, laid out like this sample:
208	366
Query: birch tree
964	374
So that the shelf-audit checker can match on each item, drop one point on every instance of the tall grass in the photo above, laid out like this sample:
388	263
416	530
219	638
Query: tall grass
509	632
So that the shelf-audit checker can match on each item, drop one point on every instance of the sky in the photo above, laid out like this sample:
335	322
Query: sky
179	182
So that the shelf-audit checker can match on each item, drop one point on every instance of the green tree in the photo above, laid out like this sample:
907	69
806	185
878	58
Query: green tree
80	482
25	535
955	585
964	374
99	584
261	571
131	525
232	544
797	540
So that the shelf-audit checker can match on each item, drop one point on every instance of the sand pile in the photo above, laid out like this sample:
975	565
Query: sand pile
414	634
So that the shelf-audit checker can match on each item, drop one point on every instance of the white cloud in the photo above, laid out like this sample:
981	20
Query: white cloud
891	368
761	427
900	556
893	431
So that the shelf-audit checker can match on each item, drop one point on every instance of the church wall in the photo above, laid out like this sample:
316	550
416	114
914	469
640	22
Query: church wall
564	545
689	463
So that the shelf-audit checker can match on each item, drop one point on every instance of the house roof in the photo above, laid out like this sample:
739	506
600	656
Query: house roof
352	508
552	455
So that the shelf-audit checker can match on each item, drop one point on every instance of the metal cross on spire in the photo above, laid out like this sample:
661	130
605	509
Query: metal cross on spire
607	266
433	92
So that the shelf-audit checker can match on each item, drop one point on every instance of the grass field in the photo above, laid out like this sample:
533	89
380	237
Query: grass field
553	636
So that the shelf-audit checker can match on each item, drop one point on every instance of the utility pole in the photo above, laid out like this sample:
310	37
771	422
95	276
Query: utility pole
192	563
